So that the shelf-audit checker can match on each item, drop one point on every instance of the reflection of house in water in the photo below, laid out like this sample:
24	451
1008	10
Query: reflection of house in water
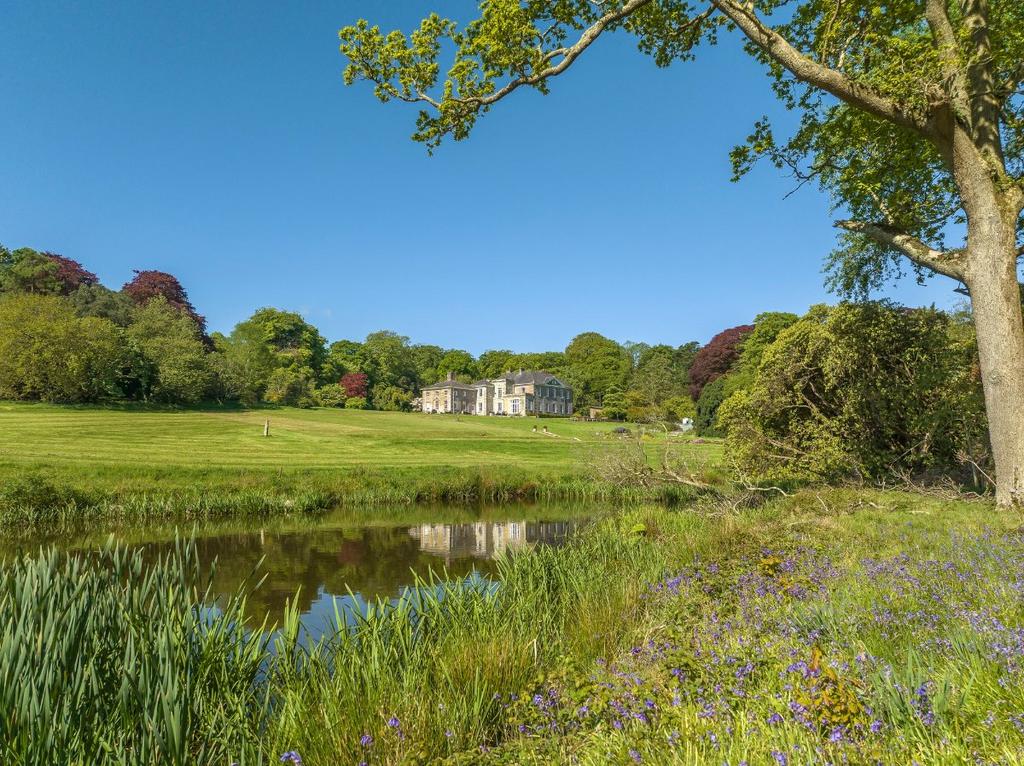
486	539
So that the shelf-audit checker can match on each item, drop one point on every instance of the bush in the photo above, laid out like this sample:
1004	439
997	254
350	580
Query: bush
860	390
31	497
330	395
676	408
292	387
391	398
356	403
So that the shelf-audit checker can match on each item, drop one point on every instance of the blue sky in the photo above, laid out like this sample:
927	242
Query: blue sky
216	141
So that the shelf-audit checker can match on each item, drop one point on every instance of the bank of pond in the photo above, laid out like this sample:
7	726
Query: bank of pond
832	626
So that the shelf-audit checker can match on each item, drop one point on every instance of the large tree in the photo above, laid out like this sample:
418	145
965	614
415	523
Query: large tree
595	365
911	118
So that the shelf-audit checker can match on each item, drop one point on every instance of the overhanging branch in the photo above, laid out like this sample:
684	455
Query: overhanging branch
813	73
569	55
942	262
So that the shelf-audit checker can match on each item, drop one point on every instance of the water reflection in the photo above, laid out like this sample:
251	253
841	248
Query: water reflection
373	562
331	556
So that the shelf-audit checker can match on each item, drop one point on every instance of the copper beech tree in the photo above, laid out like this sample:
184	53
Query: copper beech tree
911	117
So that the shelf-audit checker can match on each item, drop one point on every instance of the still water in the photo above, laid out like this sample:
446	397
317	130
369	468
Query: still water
344	554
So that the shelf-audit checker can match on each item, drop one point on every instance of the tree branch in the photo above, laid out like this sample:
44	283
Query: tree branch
941	262
569	55
984	103
937	14
818	75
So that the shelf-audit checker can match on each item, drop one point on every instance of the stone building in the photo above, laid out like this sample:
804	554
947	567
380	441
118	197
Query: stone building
520	393
449	396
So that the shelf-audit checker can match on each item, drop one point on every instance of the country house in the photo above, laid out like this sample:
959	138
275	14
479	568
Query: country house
520	393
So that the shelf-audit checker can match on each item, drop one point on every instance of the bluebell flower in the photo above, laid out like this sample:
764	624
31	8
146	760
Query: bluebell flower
366	740
292	756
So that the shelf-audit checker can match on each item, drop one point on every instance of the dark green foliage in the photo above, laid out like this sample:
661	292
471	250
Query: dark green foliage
26	271
99	301
711	397
861	390
457	361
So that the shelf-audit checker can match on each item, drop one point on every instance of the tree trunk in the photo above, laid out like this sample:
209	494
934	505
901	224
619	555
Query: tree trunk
991	277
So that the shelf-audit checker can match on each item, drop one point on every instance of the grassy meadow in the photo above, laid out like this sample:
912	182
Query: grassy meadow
834	626
217	461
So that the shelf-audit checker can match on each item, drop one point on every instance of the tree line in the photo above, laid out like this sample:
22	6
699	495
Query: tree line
65	337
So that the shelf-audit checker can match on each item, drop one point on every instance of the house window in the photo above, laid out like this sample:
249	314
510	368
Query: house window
515	406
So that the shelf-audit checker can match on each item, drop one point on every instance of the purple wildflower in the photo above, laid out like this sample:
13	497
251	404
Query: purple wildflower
292	756
774	719
635	756
366	740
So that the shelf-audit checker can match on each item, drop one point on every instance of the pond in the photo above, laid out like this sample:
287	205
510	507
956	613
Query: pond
352	555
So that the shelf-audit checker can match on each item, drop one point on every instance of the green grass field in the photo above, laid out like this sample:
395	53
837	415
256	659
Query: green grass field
133	451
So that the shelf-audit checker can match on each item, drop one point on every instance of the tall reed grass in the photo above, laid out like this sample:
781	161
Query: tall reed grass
105	661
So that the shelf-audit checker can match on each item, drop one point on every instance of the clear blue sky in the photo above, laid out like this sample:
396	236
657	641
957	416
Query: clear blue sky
215	140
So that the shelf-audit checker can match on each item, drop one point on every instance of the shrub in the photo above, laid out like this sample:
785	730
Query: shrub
356	403
391	398
678	407
292	387
860	390
330	395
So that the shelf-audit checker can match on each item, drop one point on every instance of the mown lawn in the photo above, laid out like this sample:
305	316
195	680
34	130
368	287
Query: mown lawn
136	449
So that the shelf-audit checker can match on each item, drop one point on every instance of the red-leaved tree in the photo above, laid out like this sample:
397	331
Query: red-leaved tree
355	384
70	274
146	285
715	359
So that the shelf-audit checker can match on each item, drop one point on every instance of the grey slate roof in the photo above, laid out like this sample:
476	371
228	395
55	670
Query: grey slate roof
449	384
535	376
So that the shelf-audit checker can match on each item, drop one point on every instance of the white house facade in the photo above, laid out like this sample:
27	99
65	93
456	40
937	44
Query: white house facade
517	394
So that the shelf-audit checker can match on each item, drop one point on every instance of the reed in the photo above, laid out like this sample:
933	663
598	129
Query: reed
104	661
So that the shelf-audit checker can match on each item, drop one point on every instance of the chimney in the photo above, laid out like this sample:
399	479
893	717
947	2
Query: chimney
451	376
